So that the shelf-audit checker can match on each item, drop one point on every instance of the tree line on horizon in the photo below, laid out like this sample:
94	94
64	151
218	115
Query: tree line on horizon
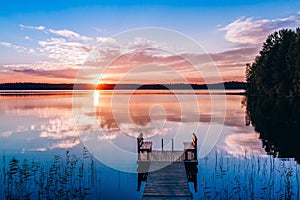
276	70
48	86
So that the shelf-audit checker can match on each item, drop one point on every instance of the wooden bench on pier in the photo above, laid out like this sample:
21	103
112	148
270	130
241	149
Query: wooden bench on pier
143	146
190	147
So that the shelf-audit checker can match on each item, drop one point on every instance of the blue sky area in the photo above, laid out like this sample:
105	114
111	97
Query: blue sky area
215	24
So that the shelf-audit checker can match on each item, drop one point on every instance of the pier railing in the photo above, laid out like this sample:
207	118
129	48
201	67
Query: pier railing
173	170
146	153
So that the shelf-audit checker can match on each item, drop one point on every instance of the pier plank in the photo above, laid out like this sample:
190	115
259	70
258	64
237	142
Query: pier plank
169	182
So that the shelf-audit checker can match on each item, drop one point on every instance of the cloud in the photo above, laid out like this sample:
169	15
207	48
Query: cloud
64	32
254	32
66	57
244	143
141	42
6	133
65	52
57	130
234	58
230	63
105	40
41	66
10	45
66	144
40	28
101	30
70	34
67	74
109	135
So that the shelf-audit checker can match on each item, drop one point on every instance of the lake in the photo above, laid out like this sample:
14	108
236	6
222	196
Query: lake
82	145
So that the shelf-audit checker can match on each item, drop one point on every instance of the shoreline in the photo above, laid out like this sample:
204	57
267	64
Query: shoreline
107	92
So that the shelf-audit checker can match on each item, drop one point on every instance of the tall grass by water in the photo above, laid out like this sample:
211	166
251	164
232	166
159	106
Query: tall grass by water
248	178
66	177
219	177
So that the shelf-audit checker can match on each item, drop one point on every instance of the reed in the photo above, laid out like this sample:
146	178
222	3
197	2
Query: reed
66	177
247	178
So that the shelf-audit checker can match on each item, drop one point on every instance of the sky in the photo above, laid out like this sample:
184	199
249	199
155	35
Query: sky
55	41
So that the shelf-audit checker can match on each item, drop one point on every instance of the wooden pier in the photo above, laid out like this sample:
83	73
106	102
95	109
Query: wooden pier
169	182
167	173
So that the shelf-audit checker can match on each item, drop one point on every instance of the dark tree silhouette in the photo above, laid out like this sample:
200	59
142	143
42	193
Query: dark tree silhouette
273	91
278	122
276	70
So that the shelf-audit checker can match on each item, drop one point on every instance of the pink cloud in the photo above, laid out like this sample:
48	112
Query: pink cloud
70	34
250	31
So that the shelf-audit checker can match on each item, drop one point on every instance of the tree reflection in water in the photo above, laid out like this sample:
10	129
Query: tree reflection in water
278	122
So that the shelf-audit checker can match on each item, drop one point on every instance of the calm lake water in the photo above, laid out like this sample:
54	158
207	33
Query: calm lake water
83	145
